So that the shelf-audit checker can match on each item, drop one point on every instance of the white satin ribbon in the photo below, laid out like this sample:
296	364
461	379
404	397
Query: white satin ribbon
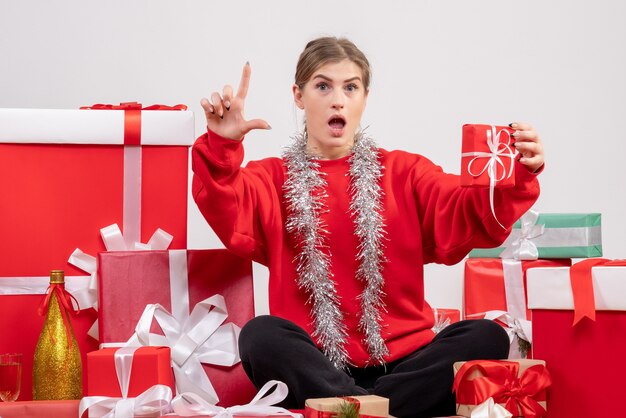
123	367
190	404
497	150
440	322
516	328
154	400
514	287
193	339
38	285
490	409
113	240
523	248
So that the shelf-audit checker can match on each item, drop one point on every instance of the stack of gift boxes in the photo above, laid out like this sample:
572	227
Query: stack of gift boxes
85	190
544	285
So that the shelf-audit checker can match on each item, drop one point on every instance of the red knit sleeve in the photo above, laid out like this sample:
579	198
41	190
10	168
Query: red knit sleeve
457	219
235	201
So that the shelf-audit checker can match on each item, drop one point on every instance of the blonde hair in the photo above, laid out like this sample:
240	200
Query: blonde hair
330	49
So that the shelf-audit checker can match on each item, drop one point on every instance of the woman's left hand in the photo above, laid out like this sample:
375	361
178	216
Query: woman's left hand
529	145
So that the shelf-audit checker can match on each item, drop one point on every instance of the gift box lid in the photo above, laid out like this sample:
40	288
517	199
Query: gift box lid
104	127
550	288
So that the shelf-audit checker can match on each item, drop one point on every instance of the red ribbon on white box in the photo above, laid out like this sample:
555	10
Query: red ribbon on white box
193	339
497	150
113	240
190	404
153	401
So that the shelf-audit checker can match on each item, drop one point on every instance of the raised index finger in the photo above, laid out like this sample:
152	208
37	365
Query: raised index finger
242	91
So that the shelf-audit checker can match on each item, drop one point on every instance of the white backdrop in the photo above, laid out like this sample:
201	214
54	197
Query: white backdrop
560	65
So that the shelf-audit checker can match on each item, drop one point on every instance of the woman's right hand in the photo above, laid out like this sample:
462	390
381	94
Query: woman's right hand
224	113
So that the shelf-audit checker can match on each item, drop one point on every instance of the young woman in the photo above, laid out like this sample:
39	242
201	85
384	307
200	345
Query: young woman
345	228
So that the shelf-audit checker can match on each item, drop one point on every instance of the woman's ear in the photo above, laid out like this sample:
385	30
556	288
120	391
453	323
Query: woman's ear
297	96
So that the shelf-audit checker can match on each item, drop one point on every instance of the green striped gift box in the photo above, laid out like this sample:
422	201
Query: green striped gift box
564	235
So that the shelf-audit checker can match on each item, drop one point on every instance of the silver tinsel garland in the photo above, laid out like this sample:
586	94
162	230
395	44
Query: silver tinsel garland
305	197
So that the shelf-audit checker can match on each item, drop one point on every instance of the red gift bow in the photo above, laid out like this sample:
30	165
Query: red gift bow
499	381
582	286
132	117
314	413
66	306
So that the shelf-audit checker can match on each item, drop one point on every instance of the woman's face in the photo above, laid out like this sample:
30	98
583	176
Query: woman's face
333	100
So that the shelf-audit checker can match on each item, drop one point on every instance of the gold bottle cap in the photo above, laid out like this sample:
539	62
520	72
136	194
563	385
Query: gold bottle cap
57	276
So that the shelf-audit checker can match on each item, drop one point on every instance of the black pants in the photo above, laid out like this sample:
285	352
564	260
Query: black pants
418	385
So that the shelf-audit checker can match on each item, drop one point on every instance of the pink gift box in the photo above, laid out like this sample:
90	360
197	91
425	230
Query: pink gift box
131	280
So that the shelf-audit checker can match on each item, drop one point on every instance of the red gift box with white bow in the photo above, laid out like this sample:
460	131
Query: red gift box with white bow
65	175
194	301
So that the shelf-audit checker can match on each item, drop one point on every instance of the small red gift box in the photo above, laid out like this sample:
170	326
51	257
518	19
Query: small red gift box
129	281
444	317
517	385
150	366
492	284
66	174
585	359
487	157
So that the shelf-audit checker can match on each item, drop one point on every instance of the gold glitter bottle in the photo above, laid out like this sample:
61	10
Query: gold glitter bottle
57	367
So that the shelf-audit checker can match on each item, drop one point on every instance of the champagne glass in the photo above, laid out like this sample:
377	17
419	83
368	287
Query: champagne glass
10	376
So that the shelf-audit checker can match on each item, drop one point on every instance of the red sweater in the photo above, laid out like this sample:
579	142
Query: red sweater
428	217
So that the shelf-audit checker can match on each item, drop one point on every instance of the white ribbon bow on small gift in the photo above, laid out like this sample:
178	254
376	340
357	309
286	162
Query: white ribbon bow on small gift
113	240
194	339
153	401
515	328
190	404
497	150
490	409
523	248
441	321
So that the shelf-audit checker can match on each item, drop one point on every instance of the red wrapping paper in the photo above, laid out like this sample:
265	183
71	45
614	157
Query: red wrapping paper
131	280
585	359
484	288
39	409
151	366
57	198
475	140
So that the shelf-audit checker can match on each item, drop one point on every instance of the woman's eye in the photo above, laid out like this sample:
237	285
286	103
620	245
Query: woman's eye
351	87
322	86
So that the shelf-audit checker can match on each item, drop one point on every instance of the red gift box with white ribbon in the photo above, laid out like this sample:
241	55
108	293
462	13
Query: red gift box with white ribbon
488	158
493	284
65	175
193	301
579	329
